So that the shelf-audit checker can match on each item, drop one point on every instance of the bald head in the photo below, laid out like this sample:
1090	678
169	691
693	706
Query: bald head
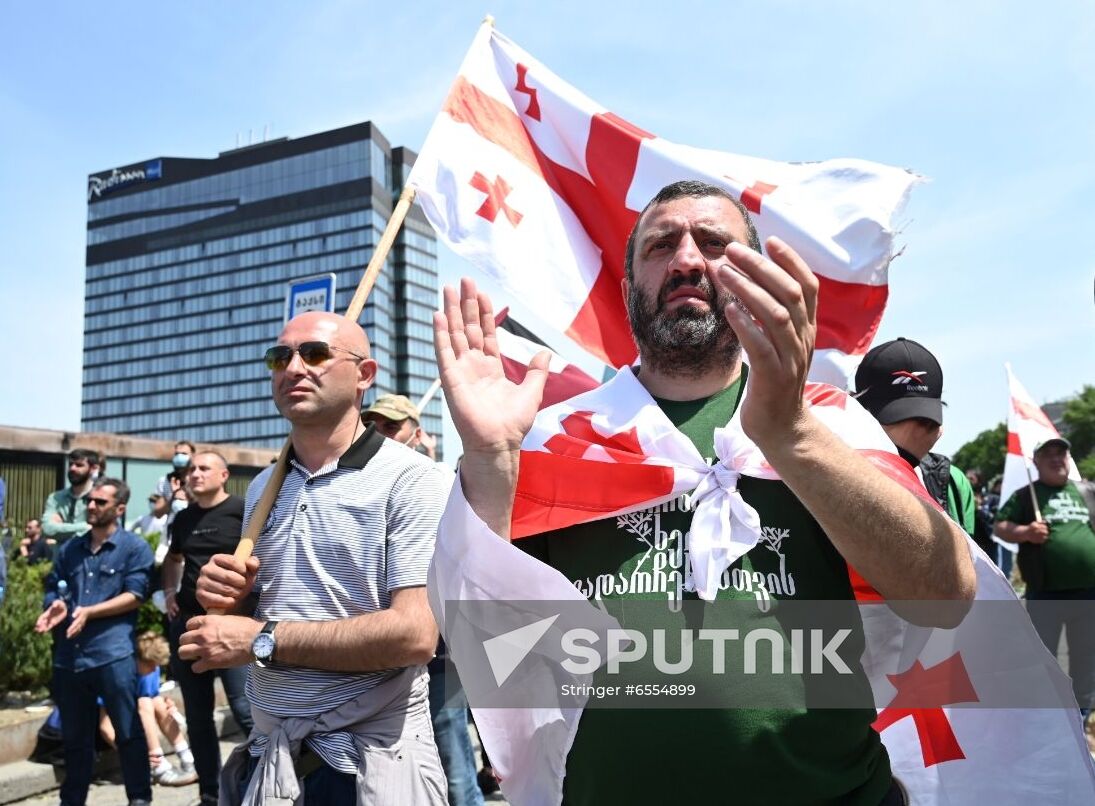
339	331
207	477
211	458
328	391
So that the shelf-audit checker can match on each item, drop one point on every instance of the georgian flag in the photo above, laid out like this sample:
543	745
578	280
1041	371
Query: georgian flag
539	186
518	345
612	451
1028	426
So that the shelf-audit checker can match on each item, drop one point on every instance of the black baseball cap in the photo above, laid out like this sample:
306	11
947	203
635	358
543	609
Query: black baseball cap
899	380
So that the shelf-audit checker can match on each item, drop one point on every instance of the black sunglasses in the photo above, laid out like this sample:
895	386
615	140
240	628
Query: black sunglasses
312	353
99	502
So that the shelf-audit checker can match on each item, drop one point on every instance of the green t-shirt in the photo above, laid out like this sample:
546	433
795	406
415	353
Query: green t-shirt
1069	553
764	756
961	505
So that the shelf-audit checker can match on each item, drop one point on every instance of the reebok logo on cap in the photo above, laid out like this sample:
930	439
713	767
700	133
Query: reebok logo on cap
903	377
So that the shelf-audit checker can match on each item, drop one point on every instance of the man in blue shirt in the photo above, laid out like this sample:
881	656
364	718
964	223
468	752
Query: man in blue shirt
98	581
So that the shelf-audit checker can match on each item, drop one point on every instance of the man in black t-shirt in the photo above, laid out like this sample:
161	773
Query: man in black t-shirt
211	525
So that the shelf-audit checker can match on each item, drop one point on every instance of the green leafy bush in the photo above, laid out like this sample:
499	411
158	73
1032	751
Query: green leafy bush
149	616
25	659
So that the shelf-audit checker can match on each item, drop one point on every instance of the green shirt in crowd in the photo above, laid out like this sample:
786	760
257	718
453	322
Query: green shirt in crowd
961	505
1069	554
762	755
73	512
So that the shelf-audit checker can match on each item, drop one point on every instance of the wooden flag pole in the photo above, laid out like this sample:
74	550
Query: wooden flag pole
426	398
269	495
1033	495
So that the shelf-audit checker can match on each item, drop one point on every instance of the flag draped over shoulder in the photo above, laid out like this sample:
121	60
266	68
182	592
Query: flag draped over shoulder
1028	426
612	451
539	186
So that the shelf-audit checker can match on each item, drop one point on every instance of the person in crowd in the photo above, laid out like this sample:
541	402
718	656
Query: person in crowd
342	630
35	547
158	714
180	464
99	579
155	520
1055	531
211	525
698	292
396	417
65	514
901	383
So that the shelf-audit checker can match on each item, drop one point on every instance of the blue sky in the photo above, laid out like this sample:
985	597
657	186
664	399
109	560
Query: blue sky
994	102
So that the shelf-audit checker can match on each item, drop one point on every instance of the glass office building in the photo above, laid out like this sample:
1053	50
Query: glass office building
188	266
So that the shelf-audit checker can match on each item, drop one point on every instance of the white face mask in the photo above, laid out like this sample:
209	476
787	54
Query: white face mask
178	505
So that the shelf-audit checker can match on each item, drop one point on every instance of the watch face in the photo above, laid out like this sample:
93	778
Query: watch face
263	647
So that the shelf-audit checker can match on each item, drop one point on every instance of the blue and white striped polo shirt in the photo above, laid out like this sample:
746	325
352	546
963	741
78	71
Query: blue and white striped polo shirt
336	544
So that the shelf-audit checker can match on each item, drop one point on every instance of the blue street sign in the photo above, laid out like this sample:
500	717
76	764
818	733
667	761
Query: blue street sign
315	293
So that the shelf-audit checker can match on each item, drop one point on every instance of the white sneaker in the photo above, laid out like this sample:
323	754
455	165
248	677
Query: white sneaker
173	777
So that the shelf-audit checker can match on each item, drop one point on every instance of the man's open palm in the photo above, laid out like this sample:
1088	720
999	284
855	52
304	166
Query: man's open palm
491	413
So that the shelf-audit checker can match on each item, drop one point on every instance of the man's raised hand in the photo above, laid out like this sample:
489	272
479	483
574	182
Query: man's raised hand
491	413
777	329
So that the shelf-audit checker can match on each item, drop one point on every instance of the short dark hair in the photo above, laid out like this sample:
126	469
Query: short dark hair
85	455
121	489
35	520
188	444
687	188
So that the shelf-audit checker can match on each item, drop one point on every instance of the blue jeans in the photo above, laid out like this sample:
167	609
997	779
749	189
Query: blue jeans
75	694
198	697
1074	612
450	731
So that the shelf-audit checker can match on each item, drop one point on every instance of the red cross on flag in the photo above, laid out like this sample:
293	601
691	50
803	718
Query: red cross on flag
539	186
1028	426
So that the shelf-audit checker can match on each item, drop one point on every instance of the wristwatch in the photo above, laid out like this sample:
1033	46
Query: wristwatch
264	644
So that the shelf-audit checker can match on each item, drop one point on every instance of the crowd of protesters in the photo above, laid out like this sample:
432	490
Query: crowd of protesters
107	679
335	636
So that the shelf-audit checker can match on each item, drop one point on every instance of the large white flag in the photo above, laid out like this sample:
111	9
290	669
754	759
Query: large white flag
539	186
944	696
1028	426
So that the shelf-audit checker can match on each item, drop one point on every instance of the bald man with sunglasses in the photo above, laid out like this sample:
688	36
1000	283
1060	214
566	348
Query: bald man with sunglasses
342	629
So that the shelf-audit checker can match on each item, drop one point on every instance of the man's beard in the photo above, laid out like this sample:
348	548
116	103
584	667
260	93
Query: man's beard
685	342
75	478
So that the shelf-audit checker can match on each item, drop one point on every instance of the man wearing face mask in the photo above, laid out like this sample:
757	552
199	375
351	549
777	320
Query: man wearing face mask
180	464
65	514
397	418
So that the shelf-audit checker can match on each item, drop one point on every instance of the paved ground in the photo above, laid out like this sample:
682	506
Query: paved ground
112	793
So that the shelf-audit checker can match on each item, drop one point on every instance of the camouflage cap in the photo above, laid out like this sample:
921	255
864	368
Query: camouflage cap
394	407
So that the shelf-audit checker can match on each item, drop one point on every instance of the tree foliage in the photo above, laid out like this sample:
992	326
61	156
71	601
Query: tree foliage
1079	417
25	658
1086	466
985	452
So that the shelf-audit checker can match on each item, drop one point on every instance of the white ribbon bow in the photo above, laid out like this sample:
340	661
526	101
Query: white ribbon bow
724	526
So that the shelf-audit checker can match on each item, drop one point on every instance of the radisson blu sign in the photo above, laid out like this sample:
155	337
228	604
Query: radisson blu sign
97	186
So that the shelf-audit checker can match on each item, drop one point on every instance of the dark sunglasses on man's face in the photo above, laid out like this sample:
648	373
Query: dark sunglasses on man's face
312	353
99	502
